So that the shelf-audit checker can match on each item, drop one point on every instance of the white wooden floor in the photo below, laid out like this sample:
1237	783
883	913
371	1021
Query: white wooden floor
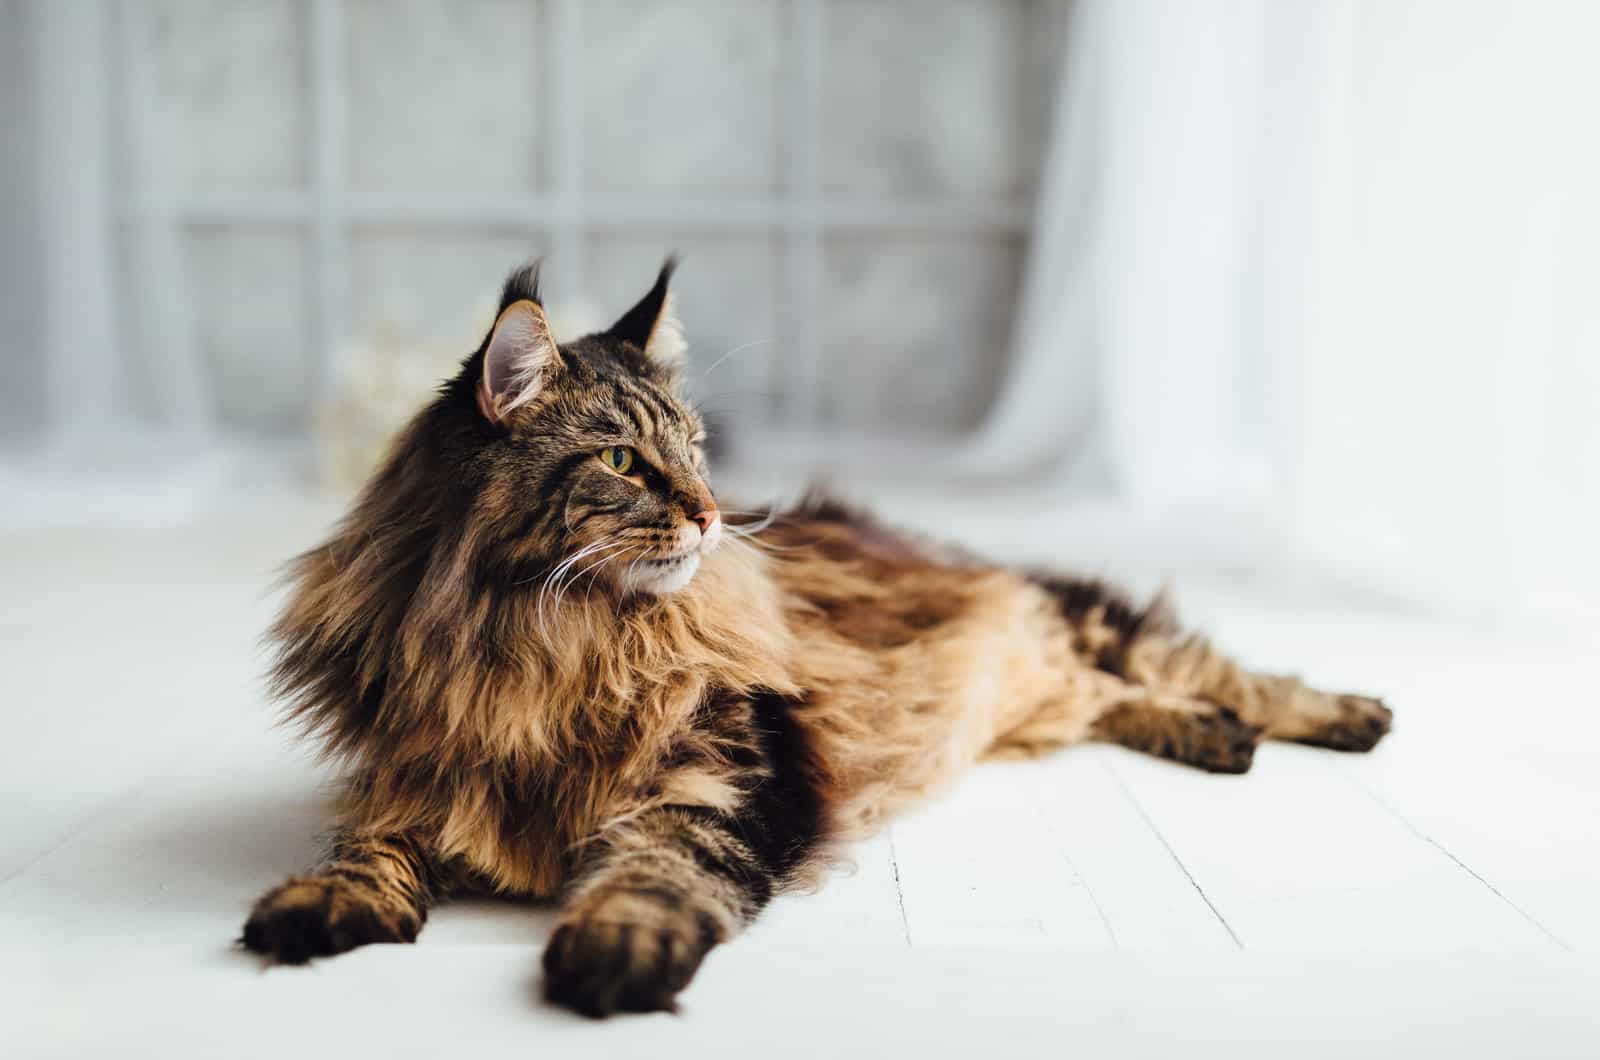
1435	898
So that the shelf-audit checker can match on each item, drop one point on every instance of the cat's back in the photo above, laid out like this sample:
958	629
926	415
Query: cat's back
872	584
916	659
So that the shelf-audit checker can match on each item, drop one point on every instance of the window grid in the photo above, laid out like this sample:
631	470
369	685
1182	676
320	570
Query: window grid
798	216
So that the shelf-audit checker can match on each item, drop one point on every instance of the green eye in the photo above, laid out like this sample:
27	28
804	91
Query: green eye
618	458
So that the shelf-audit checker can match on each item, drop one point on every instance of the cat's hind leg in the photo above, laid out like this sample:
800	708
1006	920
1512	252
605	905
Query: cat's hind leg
1144	645
1295	711
370	889
1103	707
1284	707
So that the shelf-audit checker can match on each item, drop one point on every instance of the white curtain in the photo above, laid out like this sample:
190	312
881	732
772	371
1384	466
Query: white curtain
63	299
1316	289
104	408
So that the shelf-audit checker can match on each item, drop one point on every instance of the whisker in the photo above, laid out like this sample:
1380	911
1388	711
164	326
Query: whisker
627	576
594	577
718	362
753	528
577	555
761	547
566	581
544	587
621	549
745	539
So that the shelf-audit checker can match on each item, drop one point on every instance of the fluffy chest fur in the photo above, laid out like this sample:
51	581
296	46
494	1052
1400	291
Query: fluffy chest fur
509	729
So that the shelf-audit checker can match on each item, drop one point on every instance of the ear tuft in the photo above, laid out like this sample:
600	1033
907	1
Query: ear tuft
652	325
522	285
667	343
518	358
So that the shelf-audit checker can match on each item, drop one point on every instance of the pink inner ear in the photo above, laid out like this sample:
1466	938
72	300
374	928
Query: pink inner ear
519	351
485	401
498	368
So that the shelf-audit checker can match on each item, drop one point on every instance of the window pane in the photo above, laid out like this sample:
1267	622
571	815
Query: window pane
248	291
680	96
952	99
445	97
229	94
914	330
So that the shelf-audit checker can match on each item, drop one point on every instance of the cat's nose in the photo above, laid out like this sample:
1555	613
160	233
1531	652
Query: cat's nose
705	519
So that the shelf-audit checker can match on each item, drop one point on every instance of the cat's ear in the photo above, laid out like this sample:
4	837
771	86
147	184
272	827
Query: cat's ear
652	325
517	361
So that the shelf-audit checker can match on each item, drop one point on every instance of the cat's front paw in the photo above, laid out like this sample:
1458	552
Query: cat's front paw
597	966
317	916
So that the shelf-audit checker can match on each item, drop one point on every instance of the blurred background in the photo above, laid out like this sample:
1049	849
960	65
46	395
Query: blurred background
1301	294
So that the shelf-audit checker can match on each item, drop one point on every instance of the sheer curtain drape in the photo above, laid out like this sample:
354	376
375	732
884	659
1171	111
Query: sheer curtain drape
1318	286
105	411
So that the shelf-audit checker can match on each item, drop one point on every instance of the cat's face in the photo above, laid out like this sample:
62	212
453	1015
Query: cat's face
597	448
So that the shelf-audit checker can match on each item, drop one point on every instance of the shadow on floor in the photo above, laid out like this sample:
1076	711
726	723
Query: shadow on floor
250	837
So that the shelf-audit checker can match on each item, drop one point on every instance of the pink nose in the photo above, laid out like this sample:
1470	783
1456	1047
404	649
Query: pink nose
704	519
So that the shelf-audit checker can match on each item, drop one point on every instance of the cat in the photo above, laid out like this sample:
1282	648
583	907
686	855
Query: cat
550	666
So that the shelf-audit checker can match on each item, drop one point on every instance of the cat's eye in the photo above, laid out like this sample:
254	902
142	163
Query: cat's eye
618	458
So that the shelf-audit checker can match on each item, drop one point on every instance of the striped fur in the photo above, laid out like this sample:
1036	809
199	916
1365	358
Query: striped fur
512	714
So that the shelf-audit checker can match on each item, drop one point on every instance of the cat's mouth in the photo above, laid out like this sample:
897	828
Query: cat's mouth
659	575
663	562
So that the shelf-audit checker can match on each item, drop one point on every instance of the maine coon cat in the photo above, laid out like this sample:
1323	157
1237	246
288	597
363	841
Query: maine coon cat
550	669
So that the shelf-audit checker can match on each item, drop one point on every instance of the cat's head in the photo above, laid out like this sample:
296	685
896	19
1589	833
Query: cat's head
591	455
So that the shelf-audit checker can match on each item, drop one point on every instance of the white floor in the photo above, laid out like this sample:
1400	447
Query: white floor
1435	898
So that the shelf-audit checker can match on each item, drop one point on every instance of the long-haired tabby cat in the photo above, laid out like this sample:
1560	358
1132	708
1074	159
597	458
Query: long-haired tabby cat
550	669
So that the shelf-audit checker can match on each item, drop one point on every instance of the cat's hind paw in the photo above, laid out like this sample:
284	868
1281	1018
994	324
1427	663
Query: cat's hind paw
1358	723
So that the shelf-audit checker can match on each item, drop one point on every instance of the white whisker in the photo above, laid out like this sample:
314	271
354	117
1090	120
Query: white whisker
718	362
752	528
595	570
565	579
627	575
767	546
544	586
572	579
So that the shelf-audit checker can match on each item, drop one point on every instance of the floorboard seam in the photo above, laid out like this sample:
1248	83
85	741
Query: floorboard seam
899	894
121	797
1406	823
85	821
1061	848
1138	807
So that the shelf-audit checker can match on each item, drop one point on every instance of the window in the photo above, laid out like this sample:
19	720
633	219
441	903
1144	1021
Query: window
849	183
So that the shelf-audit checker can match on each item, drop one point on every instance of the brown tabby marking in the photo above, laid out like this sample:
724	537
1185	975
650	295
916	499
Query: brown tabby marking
548	675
